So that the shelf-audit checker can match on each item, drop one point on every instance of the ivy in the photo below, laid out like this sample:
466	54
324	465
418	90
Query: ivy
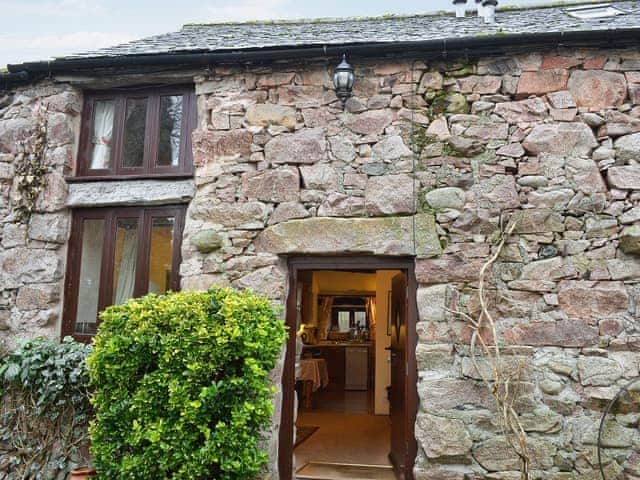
44	409
181	386
30	169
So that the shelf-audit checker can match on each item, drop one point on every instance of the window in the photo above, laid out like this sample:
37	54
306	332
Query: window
137	133
348	313
116	254
588	12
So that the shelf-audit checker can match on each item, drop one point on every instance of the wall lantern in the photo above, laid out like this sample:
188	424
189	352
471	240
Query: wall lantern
343	80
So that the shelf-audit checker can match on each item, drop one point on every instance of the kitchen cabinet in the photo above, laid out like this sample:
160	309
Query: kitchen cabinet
356	368
337	364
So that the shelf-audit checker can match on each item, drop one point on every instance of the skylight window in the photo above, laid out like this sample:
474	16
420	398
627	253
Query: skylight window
600	10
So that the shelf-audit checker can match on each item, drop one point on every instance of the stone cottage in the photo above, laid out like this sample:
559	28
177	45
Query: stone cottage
220	154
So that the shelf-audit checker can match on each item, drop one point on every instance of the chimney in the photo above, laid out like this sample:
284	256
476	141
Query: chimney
460	6
479	8
489	10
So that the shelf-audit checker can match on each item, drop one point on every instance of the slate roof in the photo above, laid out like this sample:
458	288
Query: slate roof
197	38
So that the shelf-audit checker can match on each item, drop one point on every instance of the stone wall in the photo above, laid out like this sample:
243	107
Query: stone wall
33	252
432	160
429	160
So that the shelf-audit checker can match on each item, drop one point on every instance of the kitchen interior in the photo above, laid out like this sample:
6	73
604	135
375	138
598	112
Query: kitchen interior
343	426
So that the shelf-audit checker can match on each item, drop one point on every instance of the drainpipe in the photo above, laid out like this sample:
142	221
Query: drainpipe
460	6
489	10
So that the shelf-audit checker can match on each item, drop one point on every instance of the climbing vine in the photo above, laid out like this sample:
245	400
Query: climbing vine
44	409
30	169
501	380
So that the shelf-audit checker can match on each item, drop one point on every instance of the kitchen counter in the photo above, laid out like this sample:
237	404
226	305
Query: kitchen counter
340	344
335	354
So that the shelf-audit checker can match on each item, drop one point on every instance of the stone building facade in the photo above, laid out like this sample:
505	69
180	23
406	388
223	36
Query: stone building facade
33	253
431	159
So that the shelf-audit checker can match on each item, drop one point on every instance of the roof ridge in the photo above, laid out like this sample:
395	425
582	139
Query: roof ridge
306	21
387	16
548	21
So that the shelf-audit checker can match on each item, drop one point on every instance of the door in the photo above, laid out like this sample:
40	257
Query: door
398	393
402	392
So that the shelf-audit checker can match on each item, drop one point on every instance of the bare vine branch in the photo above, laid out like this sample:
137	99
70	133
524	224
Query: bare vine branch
502	384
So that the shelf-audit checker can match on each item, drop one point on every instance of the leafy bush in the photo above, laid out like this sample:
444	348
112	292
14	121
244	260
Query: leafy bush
45	408
182	386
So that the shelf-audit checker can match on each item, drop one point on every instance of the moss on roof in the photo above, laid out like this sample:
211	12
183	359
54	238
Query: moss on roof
197	38
388	16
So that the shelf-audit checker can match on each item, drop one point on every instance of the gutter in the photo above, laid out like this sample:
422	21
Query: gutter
490	45
8	79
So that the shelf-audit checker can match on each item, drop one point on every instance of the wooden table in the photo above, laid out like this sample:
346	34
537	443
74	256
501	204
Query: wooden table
314	375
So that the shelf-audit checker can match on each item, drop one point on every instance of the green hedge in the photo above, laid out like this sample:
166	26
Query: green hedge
182	387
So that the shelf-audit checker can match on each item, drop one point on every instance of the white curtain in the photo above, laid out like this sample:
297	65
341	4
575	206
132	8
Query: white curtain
90	266
102	133
127	267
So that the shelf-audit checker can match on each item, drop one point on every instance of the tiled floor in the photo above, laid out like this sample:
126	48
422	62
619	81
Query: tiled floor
342	401
332	471
349	432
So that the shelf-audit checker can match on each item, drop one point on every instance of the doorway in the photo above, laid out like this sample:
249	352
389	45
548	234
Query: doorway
349	381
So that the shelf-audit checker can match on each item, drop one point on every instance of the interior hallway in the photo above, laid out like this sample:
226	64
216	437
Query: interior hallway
344	429
345	438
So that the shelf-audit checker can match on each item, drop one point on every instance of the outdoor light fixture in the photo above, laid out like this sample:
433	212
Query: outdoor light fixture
343	80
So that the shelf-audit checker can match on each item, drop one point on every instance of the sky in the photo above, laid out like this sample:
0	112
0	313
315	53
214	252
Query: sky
40	29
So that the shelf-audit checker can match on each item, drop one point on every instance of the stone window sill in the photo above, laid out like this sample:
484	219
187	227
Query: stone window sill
111	178
130	193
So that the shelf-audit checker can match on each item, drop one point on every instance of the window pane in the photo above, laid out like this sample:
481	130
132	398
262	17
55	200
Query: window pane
89	283
134	128
126	250
161	254
343	321
361	319
170	123
102	134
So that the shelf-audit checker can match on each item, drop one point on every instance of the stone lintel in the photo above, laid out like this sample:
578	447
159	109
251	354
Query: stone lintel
329	235
130	192
97	81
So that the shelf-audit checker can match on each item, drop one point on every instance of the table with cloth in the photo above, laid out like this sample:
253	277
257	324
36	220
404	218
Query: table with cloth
314	375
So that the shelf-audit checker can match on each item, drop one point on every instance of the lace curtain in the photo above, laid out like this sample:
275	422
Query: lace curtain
127	268
89	285
102	133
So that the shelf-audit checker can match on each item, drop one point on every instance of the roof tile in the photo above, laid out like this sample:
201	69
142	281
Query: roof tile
196	38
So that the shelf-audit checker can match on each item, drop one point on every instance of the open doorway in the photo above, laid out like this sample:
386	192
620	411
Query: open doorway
349	398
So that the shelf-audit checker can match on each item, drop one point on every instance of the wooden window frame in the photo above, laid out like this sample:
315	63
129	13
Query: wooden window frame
352	316
145	216
151	136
